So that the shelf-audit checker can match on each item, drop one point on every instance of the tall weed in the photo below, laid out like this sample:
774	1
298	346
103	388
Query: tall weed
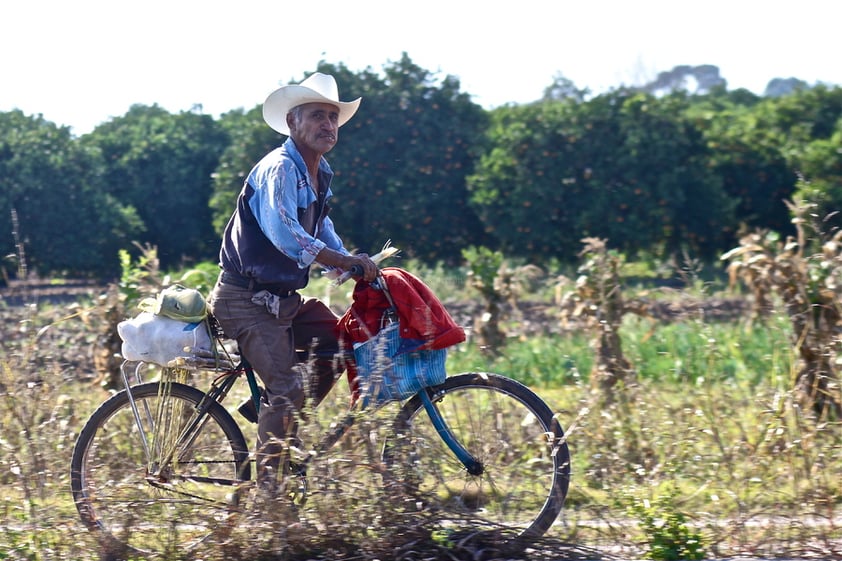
710	421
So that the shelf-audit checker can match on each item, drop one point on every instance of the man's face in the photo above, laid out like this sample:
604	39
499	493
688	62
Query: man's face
315	126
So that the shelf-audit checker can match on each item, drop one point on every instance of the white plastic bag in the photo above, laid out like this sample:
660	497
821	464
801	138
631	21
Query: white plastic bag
160	340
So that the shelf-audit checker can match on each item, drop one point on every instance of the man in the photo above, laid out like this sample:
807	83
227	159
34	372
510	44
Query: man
278	230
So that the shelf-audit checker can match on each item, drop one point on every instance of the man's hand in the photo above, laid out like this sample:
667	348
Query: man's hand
333	258
364	262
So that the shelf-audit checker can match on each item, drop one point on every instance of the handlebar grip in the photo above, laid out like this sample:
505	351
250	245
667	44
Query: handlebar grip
356	271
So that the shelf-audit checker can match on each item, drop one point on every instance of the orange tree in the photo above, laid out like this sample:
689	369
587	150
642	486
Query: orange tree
161	164
805	128
402	161
249	139
624	166
747	156
65	220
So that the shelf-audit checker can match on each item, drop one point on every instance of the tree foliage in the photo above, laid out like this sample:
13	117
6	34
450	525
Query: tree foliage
658	173
66	220
402	162
161	164
249	138
755	173
624	166
806	129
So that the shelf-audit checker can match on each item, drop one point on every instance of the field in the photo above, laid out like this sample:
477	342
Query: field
703	453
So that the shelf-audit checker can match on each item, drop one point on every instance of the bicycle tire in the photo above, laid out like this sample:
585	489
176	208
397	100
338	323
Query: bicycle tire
511	431
132	513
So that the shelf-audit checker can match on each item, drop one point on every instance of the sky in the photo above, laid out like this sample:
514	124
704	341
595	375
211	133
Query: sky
79	63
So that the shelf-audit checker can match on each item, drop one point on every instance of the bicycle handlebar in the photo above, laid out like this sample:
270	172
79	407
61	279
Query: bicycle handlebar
357	271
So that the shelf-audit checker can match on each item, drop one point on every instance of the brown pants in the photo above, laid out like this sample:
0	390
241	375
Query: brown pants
269	343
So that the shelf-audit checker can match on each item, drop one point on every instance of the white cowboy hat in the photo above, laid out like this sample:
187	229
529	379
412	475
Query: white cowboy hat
318	88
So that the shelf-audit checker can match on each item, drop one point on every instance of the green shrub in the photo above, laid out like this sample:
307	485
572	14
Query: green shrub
666	533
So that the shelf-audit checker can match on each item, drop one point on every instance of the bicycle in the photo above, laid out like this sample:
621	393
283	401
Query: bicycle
163	465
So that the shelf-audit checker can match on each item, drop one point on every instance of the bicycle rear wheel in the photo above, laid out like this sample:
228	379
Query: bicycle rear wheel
524	460
163	488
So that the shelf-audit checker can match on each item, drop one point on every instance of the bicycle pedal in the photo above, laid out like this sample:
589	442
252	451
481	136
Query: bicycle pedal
299	486
248	410
298	469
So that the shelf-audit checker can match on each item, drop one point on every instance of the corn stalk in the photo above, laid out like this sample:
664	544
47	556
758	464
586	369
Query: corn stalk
598	302
500	285
805	272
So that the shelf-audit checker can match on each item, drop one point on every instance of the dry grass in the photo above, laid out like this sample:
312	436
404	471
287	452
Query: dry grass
753	474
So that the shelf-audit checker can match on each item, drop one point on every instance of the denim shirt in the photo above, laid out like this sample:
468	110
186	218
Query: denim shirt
279	226
286	206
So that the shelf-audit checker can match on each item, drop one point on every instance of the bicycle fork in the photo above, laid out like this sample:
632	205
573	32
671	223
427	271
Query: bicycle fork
472	464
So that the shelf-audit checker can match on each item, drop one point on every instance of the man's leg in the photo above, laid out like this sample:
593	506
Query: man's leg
267	342
314	330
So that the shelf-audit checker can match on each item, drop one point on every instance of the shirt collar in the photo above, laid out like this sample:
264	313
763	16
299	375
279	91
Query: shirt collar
325	171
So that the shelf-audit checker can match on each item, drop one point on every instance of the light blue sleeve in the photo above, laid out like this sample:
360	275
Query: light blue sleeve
331	239
279	192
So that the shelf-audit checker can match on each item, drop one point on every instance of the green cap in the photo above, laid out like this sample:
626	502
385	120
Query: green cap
177	302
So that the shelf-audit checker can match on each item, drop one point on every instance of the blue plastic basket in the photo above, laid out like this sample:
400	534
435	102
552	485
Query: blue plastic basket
386	375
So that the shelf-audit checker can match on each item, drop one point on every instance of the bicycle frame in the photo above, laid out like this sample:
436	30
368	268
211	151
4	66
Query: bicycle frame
225	381
472	465
485	471
222	385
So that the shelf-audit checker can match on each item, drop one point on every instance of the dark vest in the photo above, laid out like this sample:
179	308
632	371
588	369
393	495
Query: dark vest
247	252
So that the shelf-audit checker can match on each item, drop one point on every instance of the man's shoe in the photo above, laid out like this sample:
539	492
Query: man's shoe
248	410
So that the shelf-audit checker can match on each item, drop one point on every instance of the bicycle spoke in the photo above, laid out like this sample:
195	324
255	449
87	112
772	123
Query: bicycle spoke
185	492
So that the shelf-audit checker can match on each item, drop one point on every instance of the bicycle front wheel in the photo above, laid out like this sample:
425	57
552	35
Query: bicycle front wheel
158	477
521	474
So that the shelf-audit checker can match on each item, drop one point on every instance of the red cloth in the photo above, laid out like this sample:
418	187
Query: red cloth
424	322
